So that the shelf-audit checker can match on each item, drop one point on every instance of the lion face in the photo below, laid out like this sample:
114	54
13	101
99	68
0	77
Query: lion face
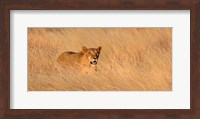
92	54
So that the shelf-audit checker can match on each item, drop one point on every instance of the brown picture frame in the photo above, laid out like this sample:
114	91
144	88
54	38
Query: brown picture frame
7	5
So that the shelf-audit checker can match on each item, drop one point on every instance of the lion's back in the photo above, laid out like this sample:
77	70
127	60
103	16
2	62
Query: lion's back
67	58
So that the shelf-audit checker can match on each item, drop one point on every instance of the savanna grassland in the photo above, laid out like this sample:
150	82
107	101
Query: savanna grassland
131	59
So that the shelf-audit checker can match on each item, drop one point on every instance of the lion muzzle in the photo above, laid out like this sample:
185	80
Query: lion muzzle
93	62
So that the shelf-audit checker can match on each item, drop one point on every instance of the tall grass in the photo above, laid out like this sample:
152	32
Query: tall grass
132	59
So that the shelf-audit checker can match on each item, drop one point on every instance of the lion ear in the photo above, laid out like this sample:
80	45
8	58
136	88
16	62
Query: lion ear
99	49
84	49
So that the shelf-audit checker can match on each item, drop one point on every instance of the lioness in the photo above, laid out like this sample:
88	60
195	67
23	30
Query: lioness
85	60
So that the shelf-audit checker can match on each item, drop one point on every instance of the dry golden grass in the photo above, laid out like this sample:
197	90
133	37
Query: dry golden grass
132	59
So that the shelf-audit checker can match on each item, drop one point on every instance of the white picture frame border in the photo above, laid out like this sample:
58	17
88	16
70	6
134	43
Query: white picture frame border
178	98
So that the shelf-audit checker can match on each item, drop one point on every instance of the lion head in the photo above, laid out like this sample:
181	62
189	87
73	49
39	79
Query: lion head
91	54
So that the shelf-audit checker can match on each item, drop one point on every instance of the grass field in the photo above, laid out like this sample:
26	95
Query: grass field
131	59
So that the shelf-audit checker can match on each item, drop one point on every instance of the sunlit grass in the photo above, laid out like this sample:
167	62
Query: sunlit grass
133	59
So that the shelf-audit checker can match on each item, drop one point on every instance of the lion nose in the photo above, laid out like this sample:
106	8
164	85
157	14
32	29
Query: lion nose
94	59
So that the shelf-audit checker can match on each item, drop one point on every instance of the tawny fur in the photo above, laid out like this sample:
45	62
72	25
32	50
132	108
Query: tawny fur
80	61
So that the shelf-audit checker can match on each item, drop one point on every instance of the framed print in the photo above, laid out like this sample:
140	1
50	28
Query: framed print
100	59
93	59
